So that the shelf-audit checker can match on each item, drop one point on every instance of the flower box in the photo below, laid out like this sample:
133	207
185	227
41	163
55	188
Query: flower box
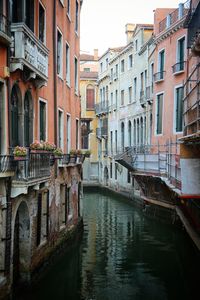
20	158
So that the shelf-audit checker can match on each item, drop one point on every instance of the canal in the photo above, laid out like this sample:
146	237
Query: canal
122	255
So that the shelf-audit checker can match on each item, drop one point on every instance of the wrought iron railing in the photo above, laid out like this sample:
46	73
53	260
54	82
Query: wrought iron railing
5	25
178	67
159	76
6	163
34	166
102	108
174	16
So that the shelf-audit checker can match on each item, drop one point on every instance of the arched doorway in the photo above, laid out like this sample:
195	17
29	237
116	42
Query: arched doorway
106	176
21	247
16	117
28	119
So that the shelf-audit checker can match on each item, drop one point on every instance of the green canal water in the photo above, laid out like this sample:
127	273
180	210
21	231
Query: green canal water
122	255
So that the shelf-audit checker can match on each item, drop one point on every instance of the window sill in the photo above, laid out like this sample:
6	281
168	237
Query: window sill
178	72
76	33
69	18
60	77
68	84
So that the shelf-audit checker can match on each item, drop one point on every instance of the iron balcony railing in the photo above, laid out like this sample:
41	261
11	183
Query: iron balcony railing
102	132
6	164
174	16
34	166
179	67
68	159
102	108
5	25
159	76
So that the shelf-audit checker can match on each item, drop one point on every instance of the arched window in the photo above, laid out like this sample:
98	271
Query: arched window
28	119
134	132
141	132
122	136
145	131
90	97
14	116
129	133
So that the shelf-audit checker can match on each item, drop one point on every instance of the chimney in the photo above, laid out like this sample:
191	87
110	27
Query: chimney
96	56
129	32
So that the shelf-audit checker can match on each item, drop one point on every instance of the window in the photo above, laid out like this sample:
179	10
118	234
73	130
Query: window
77	134
130	94
106	63
76	75
142	82
115	171
116	71
122	66
161	61
60	129
42	217
135	88
111	170
85	131
122	97
111	98
128	176
181	54
179	109
42	26
116	97
152	72
90	94
130	61
115	141
136	45
68	7
68	133
101	67
86	70
159	114
111	142
77	18
111	74
67	64
59	53
29	14
107	94
122	136
42	121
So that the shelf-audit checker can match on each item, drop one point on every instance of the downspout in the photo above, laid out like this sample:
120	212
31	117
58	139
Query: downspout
8	81
55	72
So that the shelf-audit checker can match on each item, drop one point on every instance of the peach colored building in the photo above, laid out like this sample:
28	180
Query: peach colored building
169	74
39	100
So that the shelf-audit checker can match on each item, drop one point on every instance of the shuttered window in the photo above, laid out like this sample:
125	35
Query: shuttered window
41	23
159	114
179	109
42	121
90	98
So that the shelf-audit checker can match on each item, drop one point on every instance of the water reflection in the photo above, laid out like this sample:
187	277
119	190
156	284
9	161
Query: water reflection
123	256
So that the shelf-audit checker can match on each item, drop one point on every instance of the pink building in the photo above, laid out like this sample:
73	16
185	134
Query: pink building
169	74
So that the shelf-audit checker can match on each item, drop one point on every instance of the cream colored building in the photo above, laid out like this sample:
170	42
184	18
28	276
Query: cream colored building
89	95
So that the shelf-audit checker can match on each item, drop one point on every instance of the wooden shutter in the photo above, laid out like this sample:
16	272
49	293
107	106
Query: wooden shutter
179	109
90	99
159	113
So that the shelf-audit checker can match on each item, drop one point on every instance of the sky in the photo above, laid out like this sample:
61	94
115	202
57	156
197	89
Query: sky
103	21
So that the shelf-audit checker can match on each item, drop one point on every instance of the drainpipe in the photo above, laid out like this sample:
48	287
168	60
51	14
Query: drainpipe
55	71
8	81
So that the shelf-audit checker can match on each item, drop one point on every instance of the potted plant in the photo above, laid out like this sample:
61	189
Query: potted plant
58	153
49	146
87	153
20	153
36	146
73	156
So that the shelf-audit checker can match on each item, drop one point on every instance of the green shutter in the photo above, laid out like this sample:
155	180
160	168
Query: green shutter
159	113
179	109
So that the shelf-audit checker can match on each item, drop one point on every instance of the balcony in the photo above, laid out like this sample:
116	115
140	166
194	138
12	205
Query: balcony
159	76
102	132
5	36
7	166
32	171
192	22
174	17
102	108
142	99
29	54
178	67
149	94
69	160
